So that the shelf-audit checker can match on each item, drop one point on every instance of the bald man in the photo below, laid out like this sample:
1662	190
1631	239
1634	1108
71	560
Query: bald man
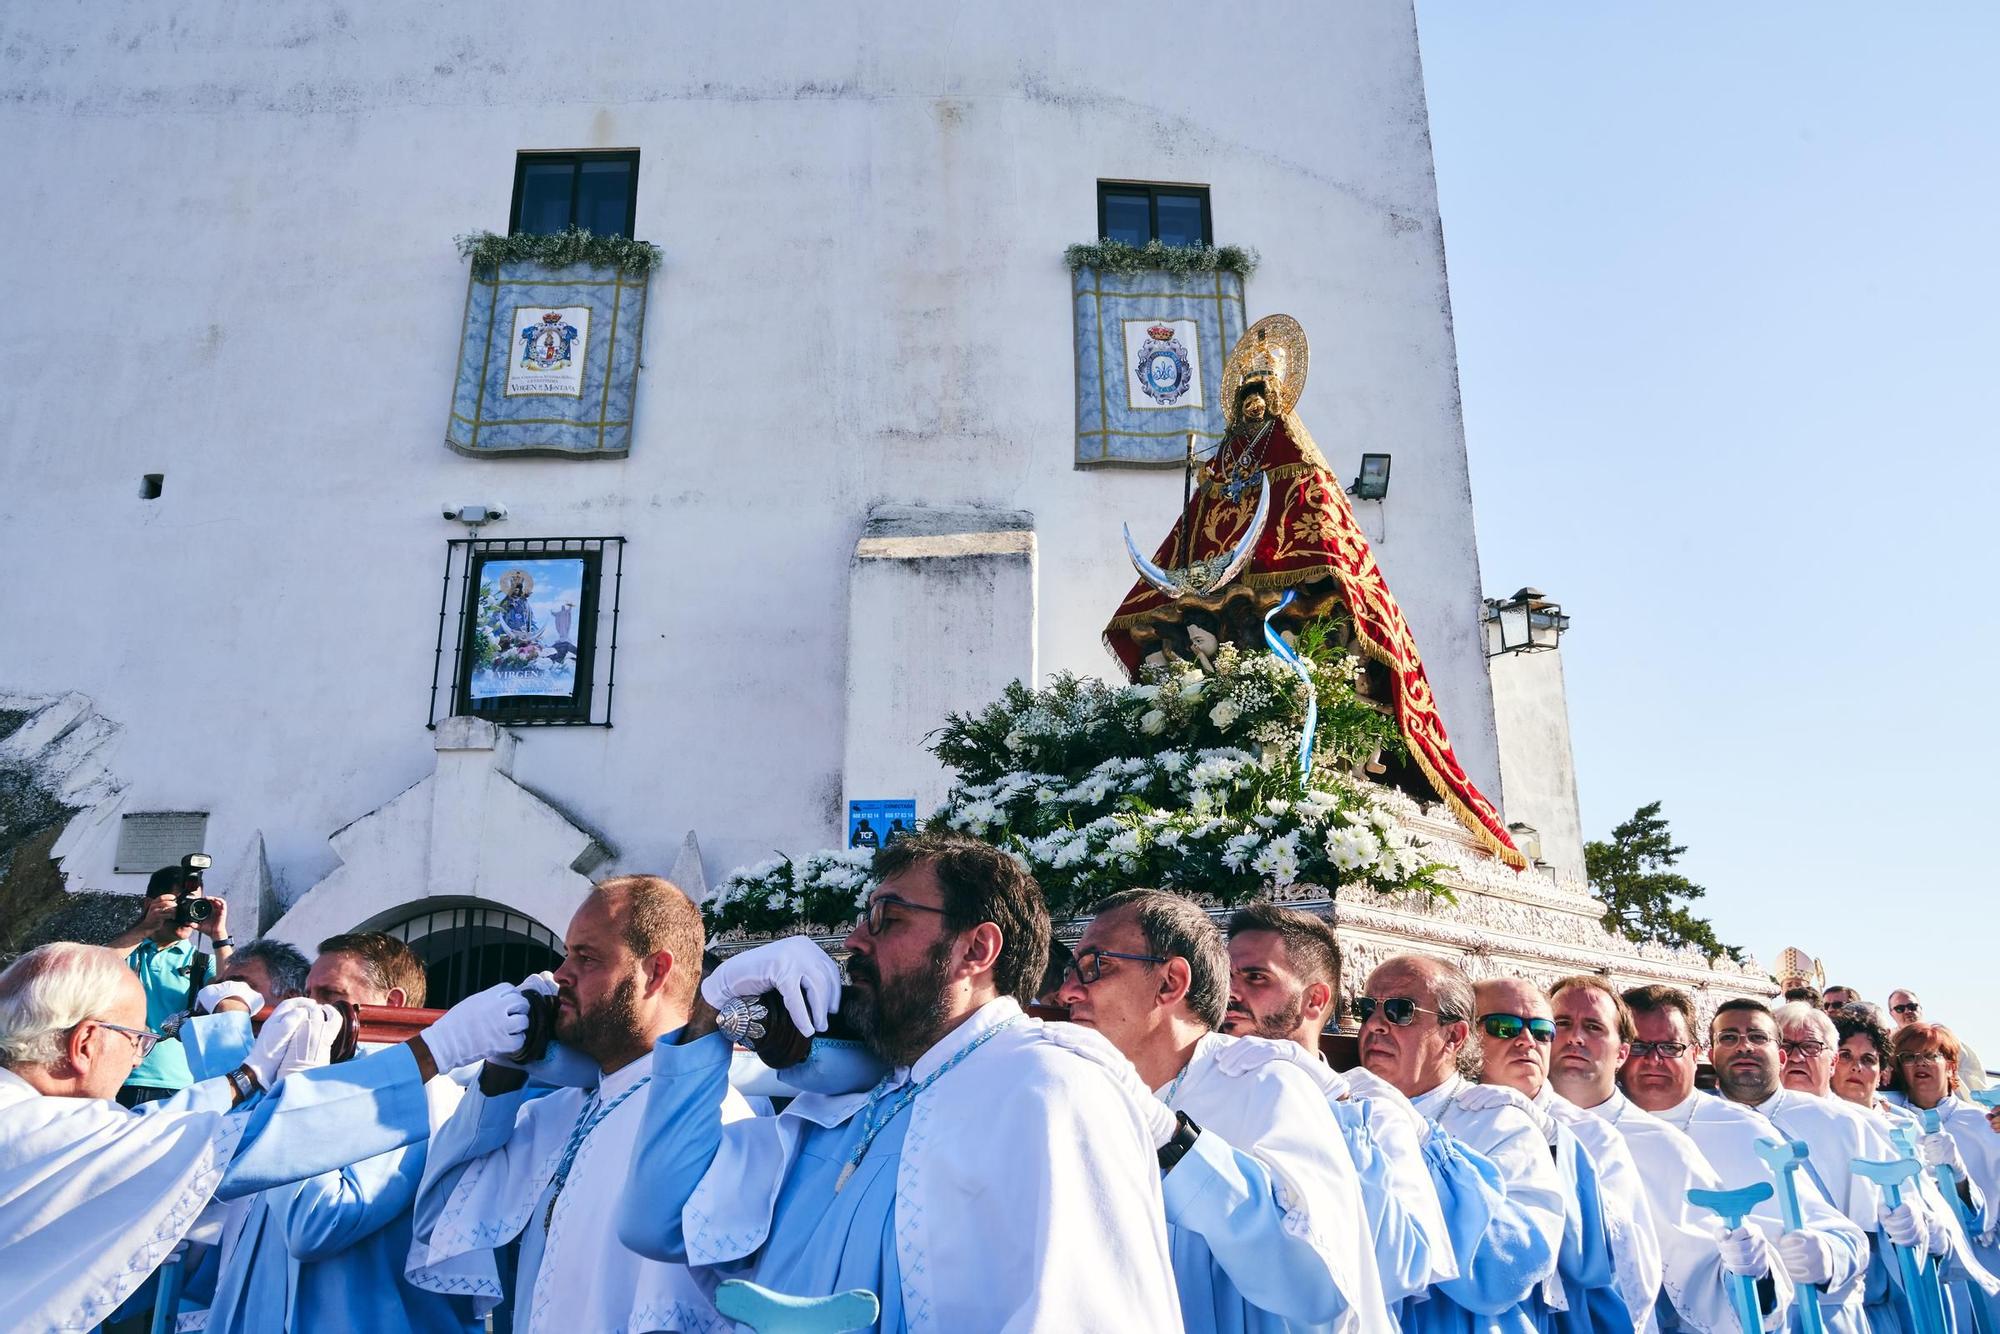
1610	1262
1416	1033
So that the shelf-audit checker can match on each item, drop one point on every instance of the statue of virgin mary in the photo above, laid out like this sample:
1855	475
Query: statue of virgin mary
1211	569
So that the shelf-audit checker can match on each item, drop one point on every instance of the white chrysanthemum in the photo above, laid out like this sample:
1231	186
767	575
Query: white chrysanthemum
1276	806
1015	740
1264	821
1238	851
1125	843
776	900
1169	837
1278	860
1173	761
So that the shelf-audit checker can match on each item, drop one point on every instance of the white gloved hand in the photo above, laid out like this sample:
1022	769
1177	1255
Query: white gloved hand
1902	1227
543	983
299	1035
1486	1097
1089	1043
800	972
1744	1250
215	993
1807	1257
1941	1150
492	1023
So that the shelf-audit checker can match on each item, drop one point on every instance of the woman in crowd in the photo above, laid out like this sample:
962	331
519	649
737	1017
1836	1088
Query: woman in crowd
1924	1059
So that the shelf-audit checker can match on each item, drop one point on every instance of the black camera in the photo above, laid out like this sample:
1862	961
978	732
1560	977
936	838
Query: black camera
194	907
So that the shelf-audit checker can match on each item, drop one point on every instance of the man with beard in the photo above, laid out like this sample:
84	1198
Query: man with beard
1003	1175
1749	1055
1608	1272
1506	1228
1284	982
1593	1037
1829	1252
1264	1214
527	1178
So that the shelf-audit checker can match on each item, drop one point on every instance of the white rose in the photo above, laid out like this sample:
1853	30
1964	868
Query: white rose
1223	714
1015	740
1153	723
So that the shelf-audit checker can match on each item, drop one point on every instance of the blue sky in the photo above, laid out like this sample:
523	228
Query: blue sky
1724	281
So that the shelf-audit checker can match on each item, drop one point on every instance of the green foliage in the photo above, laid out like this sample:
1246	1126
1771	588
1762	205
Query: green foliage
1108	256
574	245
1644	899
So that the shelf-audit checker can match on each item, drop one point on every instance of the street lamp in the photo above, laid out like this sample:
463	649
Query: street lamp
1524	623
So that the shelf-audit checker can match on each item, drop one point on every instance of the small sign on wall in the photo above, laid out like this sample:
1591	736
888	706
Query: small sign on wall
877	824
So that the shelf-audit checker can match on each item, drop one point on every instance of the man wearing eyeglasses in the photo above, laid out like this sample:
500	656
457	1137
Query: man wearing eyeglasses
1608	1272
1416	1032
93	1196
1284	984
1002	1175
1907	1009
1594	1032
1264	1212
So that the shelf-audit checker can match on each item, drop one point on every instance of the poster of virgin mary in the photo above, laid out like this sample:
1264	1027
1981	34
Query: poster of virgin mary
523	631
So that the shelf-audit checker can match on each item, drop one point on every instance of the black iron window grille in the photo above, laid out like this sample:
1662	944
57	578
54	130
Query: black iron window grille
467	949
530	625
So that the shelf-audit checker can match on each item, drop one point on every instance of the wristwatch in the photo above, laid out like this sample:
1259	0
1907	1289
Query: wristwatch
243	1082
223	943
1175	1149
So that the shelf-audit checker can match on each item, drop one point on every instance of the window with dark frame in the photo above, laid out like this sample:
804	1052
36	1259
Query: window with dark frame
1135	212
598	192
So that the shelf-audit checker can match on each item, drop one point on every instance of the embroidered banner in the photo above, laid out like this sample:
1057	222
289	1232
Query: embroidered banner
549	361
1149	348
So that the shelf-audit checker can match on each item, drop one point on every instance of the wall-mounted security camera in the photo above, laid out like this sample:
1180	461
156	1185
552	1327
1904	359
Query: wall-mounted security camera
474	515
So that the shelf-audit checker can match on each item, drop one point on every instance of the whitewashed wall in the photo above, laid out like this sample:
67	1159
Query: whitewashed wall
229	260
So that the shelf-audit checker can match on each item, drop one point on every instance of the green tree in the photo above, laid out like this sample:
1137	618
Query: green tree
1644	898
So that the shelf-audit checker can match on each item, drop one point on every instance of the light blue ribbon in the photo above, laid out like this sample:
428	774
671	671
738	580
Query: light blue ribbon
1290	657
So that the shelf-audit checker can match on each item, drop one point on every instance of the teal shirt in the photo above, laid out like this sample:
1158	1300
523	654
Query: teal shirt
163	972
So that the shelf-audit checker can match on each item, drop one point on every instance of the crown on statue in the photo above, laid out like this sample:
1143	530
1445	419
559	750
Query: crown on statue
1162	332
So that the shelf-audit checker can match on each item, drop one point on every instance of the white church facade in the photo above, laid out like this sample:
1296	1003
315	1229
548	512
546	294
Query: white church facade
841	479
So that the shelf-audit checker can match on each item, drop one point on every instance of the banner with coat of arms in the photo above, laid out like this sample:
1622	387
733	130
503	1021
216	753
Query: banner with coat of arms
549	361
1149	351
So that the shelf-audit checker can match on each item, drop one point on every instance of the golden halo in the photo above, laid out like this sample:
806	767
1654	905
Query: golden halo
1273	350
527	581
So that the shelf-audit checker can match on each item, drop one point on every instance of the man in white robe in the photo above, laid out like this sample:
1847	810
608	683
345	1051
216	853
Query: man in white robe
1284	982
545	1168
1416	1034
1004	1175
1264	1212
1830	1253
1593	1040
93	1196
1610	1262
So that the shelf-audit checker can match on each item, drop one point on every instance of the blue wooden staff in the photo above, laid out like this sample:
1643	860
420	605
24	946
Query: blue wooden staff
1921	1291
769	1312
1982	1318
1784	1157
1733	1206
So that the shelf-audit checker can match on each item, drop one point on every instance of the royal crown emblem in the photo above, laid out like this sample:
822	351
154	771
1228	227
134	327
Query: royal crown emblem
1164	368
549	343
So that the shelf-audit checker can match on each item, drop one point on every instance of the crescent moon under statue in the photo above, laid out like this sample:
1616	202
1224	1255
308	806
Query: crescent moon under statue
1203	578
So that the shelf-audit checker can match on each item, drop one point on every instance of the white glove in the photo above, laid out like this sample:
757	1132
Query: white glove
1941	1150
1806	1257
299	1035
1092	1045
1488	1097
1744	1250
799	971
215	993
544	983
1902	1227
492	1023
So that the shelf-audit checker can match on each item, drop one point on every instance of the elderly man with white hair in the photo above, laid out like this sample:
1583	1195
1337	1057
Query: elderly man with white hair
94	1196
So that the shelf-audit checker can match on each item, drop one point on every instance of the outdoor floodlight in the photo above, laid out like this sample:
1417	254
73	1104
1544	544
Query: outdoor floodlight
1372	482
1524	623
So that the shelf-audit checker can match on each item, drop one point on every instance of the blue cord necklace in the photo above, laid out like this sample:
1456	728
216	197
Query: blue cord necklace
586	1122
877	1115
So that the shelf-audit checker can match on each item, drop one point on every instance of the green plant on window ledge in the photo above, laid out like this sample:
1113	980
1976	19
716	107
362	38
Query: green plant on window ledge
572	245
1108	256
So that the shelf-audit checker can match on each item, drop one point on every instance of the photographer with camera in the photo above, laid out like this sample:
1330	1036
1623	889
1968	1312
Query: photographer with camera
160	948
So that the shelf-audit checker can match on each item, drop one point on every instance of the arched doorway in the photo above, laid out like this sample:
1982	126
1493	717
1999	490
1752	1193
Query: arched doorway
469	946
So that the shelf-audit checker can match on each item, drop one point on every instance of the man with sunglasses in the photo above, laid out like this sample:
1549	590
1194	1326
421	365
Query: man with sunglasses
1264	1211
1593	1035
1284	984
1609	1269
1416	1033
1659	1074
1002	1175
94	1196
